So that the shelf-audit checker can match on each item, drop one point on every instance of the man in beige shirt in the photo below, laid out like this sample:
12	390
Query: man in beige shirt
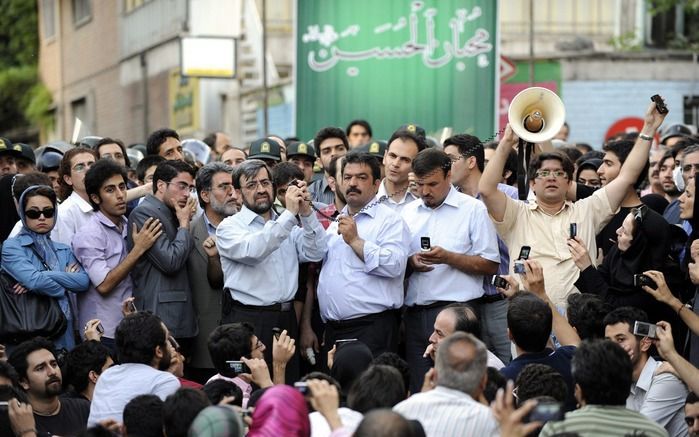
544	224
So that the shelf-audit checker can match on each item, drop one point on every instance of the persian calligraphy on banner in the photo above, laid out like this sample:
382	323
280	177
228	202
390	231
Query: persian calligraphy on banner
430	62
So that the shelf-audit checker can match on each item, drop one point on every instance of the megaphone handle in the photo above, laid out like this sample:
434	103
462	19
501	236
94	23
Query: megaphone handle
524	153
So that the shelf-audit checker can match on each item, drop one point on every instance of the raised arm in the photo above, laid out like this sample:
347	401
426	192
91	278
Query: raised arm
636	161
494	199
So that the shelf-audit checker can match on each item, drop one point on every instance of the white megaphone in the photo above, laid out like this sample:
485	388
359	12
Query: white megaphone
536	114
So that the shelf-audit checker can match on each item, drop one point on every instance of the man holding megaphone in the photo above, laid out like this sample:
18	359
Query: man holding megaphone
544	224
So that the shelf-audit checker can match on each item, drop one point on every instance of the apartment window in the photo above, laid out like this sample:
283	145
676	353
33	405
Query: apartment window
130	5
81	12
48	18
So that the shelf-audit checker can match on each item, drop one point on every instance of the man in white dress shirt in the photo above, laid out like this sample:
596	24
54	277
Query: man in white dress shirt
462	248
260	254
360	289
451	408
75	209
403	147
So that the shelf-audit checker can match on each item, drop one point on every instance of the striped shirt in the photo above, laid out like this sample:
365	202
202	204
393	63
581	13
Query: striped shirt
604	420
445	412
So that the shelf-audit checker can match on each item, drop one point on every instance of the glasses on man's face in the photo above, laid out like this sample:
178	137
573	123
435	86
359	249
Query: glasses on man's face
265	183
258	345
226	187
182	186
83	166
549	173
36	213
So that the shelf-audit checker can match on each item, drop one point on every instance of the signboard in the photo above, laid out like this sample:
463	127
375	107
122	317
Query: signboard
183	103
212	56
392	62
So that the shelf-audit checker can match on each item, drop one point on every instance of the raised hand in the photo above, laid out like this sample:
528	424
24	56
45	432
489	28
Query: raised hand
150	232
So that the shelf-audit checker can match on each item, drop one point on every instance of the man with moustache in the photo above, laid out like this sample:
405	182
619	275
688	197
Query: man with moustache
40	377
260	253
161	279
144	354
360	290
100	247
218	199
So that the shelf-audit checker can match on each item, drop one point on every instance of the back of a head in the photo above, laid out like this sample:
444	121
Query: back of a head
180	409
585	313
530	321
603	370
461	363
281	411
394	360
218	389
89	356
387	423
143	416
217	421
229	342
537	380
137	336
379	386
22	182
351	359
495	382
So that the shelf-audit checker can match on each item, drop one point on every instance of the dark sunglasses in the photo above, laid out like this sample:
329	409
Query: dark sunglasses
35	213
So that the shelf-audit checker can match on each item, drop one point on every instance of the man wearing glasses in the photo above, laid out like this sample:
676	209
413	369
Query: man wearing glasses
218	199
544	224
75	209
161	279
260	253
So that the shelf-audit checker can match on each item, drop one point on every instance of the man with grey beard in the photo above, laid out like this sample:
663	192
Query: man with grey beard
218	199
260	254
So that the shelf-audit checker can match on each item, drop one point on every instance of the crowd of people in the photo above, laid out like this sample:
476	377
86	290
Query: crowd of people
349	286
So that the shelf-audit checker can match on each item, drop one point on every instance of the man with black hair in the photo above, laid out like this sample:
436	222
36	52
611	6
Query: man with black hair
180	409
100	247
113	149
166	143
544	225
218	142
144	354
691	413
586	313
462	249
360	288
161	279
143	417
218	389
467	156
75	208
657	395
602	373
403	147
84	365
40	377
260	253
379	386
358	133
238	342
666	171
282	175
330	142
146	168
538	380
218	198
394	360
8	375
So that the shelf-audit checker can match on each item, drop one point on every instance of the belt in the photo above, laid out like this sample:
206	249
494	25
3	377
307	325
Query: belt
439	303
363	320
278	307
490	298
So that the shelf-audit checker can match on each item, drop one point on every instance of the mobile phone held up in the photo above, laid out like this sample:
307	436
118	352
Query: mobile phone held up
523	255
425	244
659	104
238	367
641	280
499	282
643	329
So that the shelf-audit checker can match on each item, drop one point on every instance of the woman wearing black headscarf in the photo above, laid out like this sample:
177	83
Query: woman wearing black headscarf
613	279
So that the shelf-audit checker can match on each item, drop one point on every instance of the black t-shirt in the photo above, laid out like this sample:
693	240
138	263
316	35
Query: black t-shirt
71	420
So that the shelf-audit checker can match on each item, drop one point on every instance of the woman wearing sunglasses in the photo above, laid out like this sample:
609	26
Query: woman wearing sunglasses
40	265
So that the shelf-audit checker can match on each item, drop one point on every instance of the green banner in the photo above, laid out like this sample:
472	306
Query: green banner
393	62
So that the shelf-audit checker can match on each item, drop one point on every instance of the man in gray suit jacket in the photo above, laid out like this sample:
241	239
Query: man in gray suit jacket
219	200
161	281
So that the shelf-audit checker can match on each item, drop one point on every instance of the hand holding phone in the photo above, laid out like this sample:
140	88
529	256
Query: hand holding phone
643	329
425	244
659	104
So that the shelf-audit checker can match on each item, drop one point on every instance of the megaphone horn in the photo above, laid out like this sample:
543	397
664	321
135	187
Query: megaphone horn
536	114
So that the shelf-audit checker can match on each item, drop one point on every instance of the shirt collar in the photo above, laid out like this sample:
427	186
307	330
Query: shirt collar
452	199
248	216
210	228
371	212
82	203
533	205
110	224
646	377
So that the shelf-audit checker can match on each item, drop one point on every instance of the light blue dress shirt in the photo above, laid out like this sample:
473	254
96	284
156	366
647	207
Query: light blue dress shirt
461	225
349	287
261	259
